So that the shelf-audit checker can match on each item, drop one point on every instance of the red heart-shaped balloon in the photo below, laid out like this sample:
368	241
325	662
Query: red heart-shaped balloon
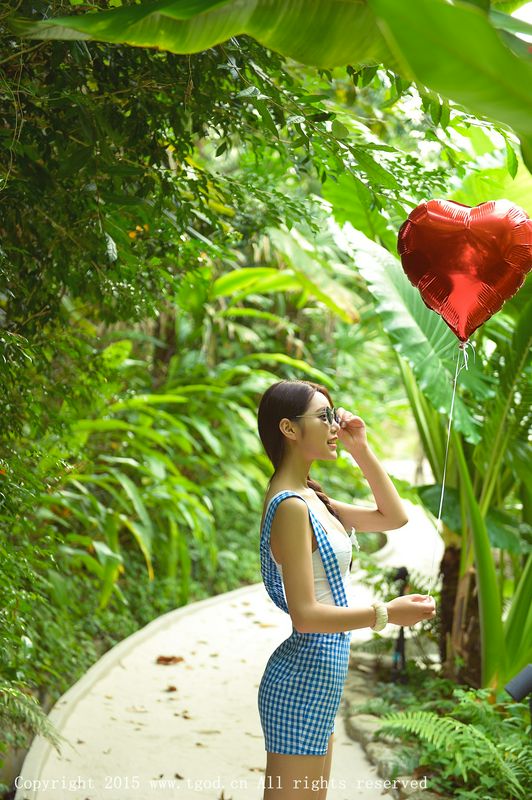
466	261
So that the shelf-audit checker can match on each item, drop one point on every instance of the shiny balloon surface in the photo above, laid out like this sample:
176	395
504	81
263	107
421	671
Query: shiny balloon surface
466	261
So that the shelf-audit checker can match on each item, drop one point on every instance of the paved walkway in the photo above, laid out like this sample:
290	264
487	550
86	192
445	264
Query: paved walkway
144	730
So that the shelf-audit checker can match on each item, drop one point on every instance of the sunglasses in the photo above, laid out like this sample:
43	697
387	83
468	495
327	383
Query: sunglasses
330	414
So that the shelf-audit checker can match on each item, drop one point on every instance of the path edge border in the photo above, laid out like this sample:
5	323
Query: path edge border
41	747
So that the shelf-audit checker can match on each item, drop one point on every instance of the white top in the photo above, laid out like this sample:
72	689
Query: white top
342	544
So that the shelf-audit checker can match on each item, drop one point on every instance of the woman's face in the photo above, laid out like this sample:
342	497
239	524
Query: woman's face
315	437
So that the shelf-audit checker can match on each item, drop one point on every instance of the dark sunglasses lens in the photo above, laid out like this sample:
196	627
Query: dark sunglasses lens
331	415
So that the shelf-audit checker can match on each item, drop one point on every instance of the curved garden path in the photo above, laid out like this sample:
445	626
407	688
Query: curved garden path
141	729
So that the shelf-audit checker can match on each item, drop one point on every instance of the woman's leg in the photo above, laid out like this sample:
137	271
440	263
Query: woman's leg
322	794
297	777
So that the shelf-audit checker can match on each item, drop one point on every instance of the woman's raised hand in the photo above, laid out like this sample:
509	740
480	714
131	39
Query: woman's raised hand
352	431
410	609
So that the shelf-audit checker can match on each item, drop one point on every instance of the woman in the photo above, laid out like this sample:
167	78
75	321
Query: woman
305	561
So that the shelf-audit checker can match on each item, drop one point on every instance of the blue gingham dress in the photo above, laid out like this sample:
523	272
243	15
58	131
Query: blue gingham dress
300	690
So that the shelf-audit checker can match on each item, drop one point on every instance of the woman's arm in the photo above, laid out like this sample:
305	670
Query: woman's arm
390	512
291	530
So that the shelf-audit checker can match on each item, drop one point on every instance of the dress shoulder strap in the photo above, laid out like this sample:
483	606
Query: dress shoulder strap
270	574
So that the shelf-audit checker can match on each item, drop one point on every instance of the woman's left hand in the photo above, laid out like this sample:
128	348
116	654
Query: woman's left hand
352	431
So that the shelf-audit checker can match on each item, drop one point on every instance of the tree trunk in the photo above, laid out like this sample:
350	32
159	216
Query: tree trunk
449	570
466	661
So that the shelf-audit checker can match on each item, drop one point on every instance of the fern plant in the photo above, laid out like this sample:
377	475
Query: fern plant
23	713
22	708
465	753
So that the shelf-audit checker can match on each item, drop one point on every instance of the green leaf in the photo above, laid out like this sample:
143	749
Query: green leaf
105	554
339	130
266	117
240	279
430	496
80	556
207	434
256	314
502	417
435	112
142	537
311	31
351	202
116	353
511	159
315	273
445	115
374	170
431	41
505	533
518	624
297	365
259	280
135	497
496	184
109	425
494	656
508	23
141	400
437	44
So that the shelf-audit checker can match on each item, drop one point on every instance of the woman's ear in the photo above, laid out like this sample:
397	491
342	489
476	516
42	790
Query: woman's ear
286	427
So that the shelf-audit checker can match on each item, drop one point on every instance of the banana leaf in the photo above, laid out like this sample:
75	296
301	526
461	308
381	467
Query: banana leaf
457	49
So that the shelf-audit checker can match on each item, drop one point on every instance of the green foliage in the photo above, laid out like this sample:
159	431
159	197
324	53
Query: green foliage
20	709
476	750
467	742
434	42
166	255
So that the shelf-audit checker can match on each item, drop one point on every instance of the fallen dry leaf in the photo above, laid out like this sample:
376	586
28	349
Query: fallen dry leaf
169	659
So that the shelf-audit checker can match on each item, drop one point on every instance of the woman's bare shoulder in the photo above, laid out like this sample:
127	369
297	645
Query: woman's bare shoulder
289	503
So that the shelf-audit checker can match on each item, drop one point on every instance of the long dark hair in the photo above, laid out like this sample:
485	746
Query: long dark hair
288	399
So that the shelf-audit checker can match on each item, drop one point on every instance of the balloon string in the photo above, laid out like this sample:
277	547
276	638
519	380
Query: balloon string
462	348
